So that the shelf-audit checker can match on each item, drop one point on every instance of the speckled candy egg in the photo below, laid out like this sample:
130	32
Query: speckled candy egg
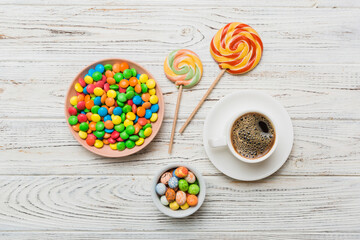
185	206
181	198
192	200
173	182
164	201
181	172
160	189
165	177
194	189
183	185
170	195
190	178
174	206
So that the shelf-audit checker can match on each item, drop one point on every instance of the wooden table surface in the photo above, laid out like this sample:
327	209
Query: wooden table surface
52	188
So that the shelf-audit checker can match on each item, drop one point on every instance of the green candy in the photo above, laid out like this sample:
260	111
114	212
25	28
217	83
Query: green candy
183	185
123	117
76	108
130	129
73	120
118	77
127	108
95	109
127	73
84	126
130	89
144	88
133	71
194	189
108	67
130	95
100	126
141	134
86	110
134	138
122	97
148	125
99	134
119	128
129	144
121	104
114	87
93	98
120	146
97	76
124	135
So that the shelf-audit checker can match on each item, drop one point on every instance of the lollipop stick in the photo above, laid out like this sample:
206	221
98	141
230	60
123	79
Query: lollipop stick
202	100
175	118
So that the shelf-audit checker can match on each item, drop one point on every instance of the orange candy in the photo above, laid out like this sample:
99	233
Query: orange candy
116	68
145	97
109	102
109	124
103	98
81	98
137	127
88	115
87	98
105	141
146	105
123	66
109	74
110	80
76	127
192	200
92	126
141	111
89	104
137	88
107	135
133	81
111	109
124	83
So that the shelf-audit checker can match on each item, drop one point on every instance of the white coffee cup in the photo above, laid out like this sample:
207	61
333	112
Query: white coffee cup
225	140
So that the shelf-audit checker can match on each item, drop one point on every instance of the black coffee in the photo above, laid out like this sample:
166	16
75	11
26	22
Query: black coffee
252	135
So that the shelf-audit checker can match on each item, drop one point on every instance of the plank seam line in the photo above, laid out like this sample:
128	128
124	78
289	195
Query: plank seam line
148	175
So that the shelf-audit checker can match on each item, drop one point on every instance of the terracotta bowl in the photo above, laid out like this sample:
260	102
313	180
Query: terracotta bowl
106	151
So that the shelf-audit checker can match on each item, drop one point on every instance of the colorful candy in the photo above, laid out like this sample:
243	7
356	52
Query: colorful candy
190	178
173	182
181	172
165	178
160	189
114	106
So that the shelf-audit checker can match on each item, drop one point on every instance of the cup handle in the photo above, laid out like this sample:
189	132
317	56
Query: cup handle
218	142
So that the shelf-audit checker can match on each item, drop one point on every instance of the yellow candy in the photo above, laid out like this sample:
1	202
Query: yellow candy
111	94
92	95
78	88
73	100
154	99
148	132
185	206
131	116
152	91
154	117
139	142
95	117
143	78
150	83
116	120
82	135
88	79
113	146
98	143
128	122
98	91
174	206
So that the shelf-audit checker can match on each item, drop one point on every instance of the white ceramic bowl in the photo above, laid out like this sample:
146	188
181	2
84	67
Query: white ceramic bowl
166	209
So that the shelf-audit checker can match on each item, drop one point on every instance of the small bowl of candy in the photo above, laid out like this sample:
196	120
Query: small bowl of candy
114	107
178	190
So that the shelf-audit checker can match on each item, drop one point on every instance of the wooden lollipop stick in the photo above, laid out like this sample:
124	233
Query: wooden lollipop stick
175	118
202	100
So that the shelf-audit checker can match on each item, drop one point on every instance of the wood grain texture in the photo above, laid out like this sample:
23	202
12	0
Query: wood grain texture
319	204
85	33
306	91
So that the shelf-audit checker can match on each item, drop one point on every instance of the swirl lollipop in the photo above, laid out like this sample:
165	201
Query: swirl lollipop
184	68
237	48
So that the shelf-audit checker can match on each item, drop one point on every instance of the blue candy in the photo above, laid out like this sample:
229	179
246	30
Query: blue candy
117	111
136	119
154	108
138	76
173	182
85	91
137	100
148	114
102	112
97	101
90	72
83	112
160	189
107	117
100	68
109	130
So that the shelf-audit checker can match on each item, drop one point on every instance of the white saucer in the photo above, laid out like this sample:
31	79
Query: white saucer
215	124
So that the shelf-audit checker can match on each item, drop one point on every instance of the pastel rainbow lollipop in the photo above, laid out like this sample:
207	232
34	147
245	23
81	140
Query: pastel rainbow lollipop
237	48
184	68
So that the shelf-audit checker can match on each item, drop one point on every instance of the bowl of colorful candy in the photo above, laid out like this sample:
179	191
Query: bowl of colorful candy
114	107
178	190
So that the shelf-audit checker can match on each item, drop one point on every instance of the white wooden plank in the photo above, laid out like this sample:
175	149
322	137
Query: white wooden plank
81	33
46	147
306	91
316	204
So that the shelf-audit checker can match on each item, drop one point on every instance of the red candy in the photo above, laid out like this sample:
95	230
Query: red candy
106	87
142	121
90	88
134	108
82	82
115	134
81	105
111	140
72	111
103	78
119	139
100	84
82	118
130	102
90	140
